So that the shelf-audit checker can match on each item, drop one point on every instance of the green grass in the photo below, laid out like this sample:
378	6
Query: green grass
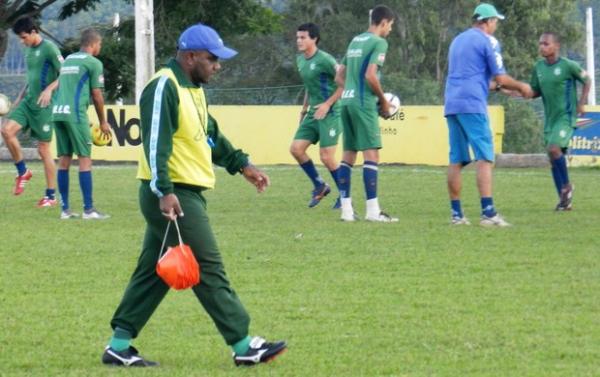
416	298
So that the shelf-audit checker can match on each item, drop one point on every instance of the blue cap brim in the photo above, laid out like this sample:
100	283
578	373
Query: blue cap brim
223	52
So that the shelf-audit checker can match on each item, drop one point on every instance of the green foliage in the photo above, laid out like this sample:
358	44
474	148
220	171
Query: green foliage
415	298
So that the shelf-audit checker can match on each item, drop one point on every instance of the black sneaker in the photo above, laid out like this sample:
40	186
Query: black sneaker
128	358
260	352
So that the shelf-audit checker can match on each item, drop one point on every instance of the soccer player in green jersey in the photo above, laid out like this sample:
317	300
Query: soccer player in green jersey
555	78
362	96
81	76
320	117
32	113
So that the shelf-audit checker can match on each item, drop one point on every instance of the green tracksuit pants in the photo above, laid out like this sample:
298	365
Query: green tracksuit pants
146	289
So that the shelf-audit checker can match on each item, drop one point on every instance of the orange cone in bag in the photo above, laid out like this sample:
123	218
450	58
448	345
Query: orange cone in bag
178	266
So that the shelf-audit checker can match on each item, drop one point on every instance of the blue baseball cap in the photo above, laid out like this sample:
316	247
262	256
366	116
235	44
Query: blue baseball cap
202	37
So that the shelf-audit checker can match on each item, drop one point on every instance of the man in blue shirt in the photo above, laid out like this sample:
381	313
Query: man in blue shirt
474	66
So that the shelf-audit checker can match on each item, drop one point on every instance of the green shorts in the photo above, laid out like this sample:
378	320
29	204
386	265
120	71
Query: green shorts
559	134
73	138
34	118
325	131
361	128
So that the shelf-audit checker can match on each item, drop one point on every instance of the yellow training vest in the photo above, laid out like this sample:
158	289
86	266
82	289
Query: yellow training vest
190	162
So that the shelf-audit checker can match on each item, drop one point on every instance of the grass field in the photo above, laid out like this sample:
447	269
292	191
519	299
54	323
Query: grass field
416	298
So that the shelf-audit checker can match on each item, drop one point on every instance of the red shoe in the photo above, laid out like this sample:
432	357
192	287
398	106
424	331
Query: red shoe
47	202
20	182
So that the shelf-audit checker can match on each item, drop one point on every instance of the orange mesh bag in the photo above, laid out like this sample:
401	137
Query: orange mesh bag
178	266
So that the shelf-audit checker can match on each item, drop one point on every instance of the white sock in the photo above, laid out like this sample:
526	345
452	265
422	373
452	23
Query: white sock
347	205
373	209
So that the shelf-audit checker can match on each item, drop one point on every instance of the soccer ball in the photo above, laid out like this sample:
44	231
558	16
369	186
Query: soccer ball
98	137
394	102
4	104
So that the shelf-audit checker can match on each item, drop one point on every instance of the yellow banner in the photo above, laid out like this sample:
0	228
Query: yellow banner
416	135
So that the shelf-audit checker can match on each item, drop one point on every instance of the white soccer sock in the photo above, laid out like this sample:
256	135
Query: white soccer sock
373	209
347	205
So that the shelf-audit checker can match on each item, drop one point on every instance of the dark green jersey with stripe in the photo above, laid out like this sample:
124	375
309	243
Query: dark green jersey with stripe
366	48
557	84
43	64
318	76
79	74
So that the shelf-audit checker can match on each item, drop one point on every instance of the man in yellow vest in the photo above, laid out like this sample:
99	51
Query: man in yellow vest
181	142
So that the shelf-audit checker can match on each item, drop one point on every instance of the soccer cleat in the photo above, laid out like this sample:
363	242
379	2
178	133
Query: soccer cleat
260	351
561	207
349	216
127	358
47	202
459	221
337	204
20	182
382	217
319	193
67	215
495	220
93	214
566	198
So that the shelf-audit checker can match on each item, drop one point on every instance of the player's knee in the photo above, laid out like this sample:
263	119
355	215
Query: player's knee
554	152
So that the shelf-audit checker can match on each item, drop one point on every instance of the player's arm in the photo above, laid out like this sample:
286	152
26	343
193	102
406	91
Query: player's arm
159	113
98	100
56	60
234	160
46	95
323	108
340	76
304	105
375	85
20	96
582	76
509	83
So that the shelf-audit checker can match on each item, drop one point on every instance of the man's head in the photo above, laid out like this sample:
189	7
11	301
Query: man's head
549	44
486	17
199	49
382	19
91	41
307	36
27	31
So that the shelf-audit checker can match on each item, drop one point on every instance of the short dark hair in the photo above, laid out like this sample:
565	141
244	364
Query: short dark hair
89	37
25	25
380	13
554	36
313	30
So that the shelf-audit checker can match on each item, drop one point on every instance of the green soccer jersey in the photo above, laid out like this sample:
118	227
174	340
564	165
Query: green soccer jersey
318	75
43	65
80	73
556	83
366	48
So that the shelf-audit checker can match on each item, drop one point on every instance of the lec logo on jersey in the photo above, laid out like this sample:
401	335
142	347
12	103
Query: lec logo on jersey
557	71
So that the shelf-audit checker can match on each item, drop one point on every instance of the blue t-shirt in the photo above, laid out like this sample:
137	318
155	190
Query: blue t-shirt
474	59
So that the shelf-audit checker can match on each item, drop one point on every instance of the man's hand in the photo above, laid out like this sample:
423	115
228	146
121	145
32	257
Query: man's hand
105	128
45	98
255	176
322	110
384	109
169	206
580	109
526	90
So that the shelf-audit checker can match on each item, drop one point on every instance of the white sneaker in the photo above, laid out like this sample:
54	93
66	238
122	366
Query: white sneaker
382	217
93	214
495	220
460	221
349	216
67	215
